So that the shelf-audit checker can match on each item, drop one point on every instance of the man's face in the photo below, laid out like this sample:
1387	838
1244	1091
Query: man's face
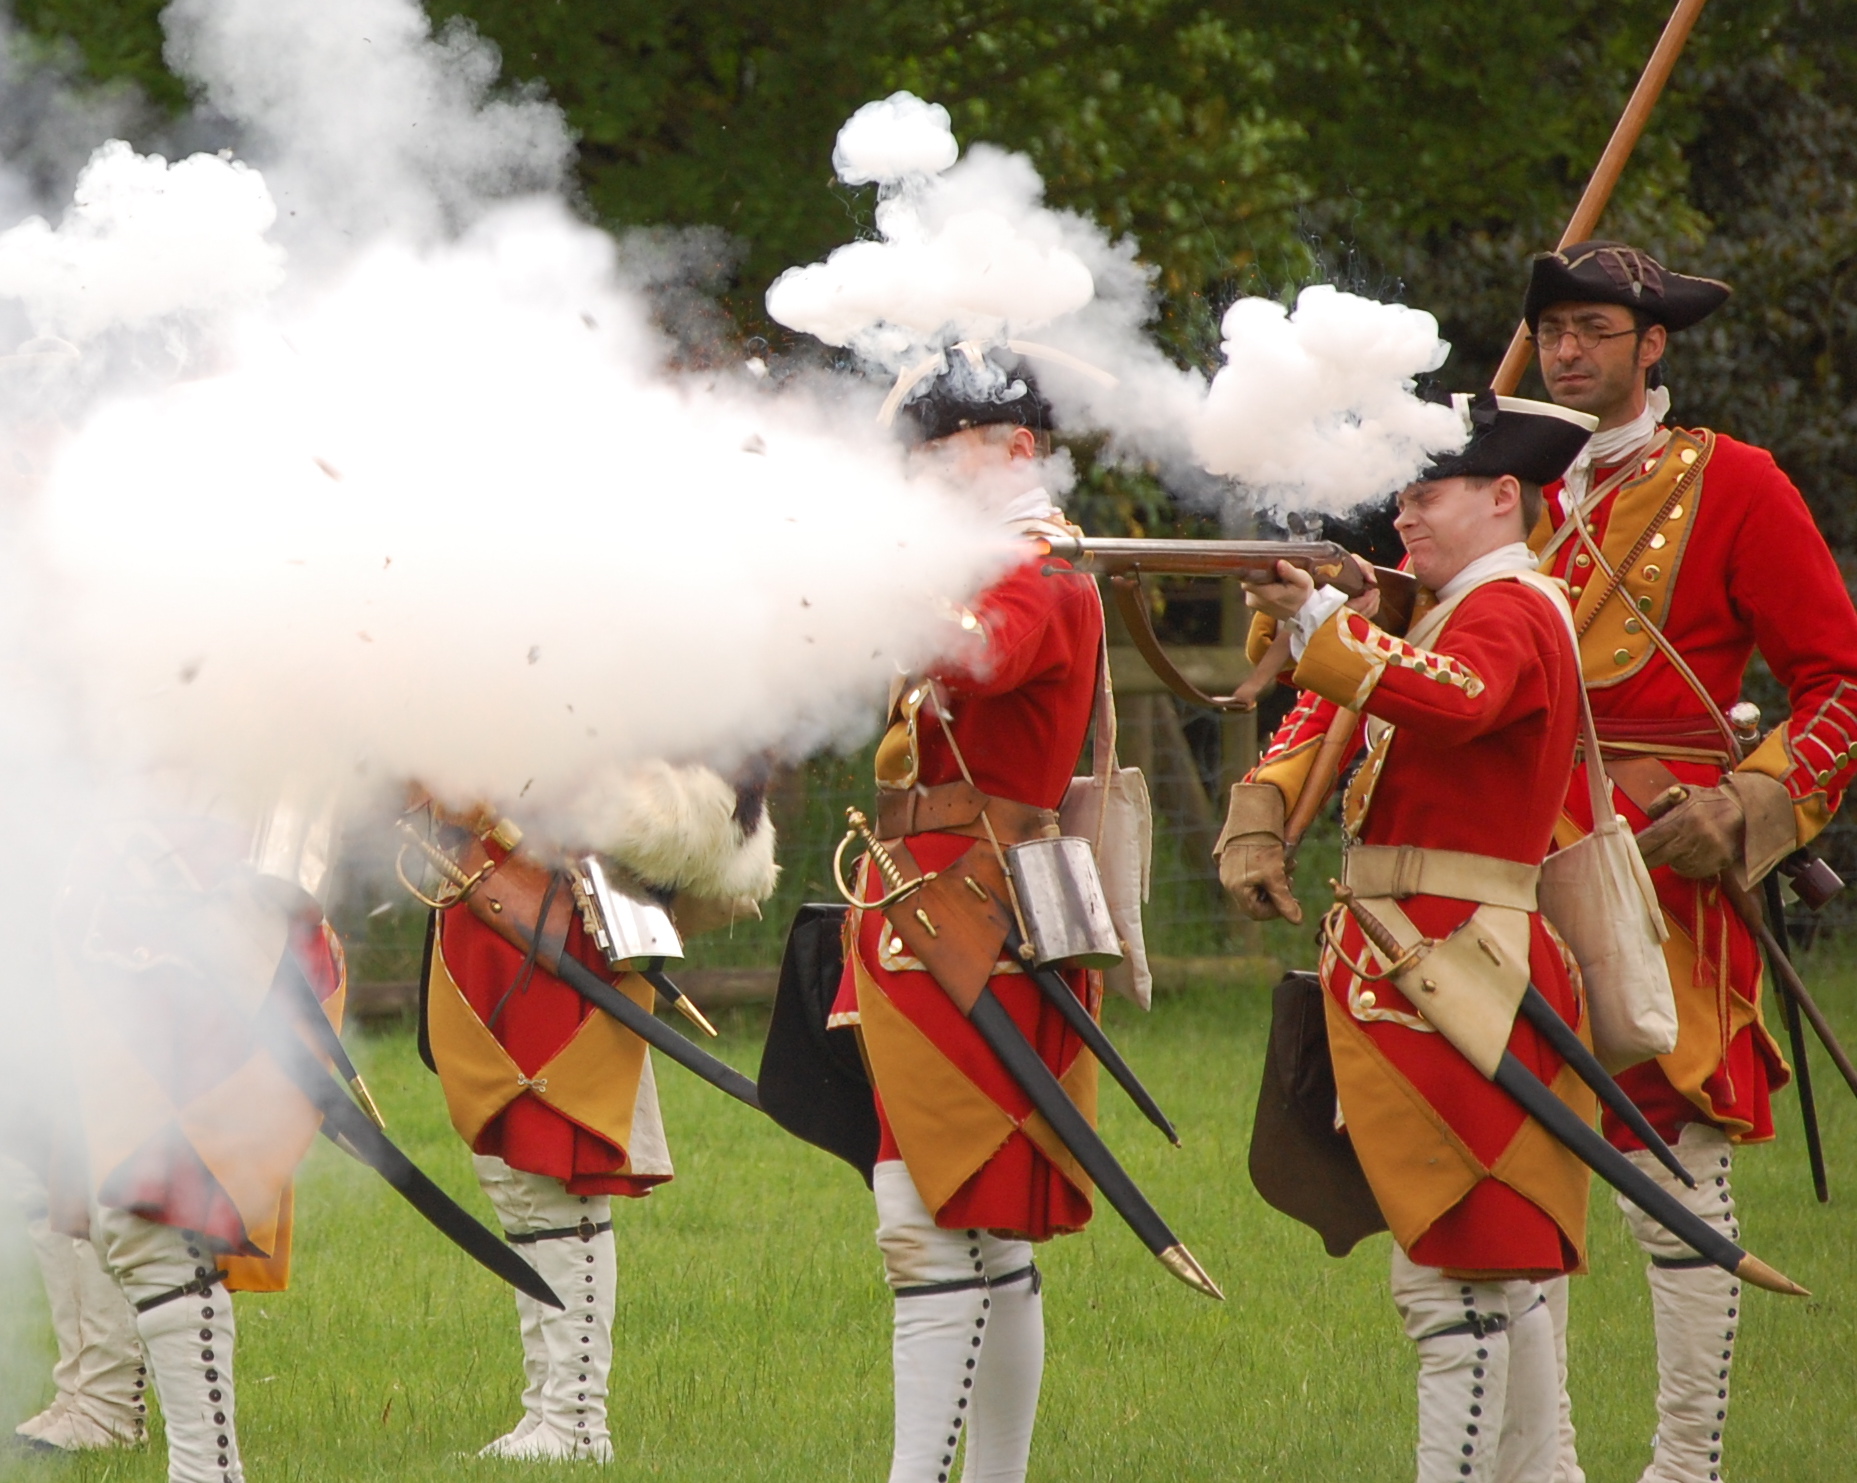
1605	378
976	453
1448	523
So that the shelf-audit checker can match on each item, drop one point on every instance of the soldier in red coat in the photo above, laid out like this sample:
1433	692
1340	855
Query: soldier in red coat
1685	551
556	1100
1469	731
968	1177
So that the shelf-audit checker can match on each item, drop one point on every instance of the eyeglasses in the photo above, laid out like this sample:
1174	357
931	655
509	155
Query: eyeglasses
1586	336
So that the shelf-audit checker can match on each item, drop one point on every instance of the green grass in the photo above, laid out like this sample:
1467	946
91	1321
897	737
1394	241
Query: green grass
752	1329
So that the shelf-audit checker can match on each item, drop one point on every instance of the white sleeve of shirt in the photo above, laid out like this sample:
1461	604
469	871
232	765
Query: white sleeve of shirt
1322	605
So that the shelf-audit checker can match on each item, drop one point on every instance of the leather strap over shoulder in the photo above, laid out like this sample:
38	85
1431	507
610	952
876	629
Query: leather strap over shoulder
1409	870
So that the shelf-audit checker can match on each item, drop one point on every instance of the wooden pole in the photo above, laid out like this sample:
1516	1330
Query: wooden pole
1611	165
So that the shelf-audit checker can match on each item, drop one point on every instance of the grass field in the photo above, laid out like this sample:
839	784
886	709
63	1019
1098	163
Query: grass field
753	1323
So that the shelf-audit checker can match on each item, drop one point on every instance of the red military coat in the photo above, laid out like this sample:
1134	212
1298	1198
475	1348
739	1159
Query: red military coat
1726	559
1019	708
1482	733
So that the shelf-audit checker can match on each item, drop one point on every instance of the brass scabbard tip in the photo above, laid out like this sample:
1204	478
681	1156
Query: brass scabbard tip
695	1015
366	1099
1181	1262
1752	1269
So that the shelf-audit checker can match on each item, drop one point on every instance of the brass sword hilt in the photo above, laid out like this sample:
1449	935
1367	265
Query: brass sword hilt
458	883
1377	933
897	887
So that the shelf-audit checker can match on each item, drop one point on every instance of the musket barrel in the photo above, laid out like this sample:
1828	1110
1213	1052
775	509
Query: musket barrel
1326	561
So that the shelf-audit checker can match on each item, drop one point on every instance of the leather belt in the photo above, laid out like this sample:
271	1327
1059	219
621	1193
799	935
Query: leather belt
955	808
1409	870
1692	739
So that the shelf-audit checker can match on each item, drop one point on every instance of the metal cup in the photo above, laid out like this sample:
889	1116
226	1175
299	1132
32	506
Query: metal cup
625	927
1061	895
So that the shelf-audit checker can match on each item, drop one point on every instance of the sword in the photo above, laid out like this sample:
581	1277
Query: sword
316	1023
345	1125
1540	1103
645	1025
1052	986
1027	1068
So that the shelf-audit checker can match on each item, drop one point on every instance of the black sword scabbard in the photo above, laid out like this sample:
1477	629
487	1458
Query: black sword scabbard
1024	1065
344	1122
1571	1049
1632	1182
1051	984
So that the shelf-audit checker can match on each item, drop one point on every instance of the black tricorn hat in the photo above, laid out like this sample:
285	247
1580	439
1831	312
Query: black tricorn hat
1617	273
1534	441
967	387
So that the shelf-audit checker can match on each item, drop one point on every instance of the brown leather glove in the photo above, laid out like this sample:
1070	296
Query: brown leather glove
1250	854
1744	825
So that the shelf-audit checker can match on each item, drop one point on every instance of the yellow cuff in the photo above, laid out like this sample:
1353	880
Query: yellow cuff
1338	669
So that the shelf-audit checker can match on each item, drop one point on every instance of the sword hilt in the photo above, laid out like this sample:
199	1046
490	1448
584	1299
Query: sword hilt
897	887
1377	933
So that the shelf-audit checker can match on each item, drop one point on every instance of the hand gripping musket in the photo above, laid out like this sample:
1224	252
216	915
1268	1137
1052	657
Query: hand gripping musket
500	903
1124	561
1540	1103
1023	1063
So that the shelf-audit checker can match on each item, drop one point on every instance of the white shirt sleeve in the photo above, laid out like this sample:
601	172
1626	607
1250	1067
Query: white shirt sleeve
1322	605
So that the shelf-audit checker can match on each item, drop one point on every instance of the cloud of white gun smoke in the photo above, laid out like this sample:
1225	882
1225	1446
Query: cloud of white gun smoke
970	251
433	506
1314	409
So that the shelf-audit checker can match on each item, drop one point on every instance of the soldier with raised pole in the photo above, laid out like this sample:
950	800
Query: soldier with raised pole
978	755
1684	551
1470	722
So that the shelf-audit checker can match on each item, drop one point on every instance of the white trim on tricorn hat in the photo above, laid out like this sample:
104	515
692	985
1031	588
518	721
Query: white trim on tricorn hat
1534	441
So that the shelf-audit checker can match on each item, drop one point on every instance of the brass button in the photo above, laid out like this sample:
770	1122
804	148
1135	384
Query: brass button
1644	605
1368	999
1621	656
1676	513
1688	455
1582	560
1632	625
1576	591
1658	542
1652	573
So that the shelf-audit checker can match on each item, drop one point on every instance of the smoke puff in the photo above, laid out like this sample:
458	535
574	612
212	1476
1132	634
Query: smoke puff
363	120
452	522
972	254
1314	410
896	137
145	240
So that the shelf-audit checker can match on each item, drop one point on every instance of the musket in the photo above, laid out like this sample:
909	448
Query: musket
349	1128
1539	1102
1611	165
1051	984
1125	560
1026	1067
